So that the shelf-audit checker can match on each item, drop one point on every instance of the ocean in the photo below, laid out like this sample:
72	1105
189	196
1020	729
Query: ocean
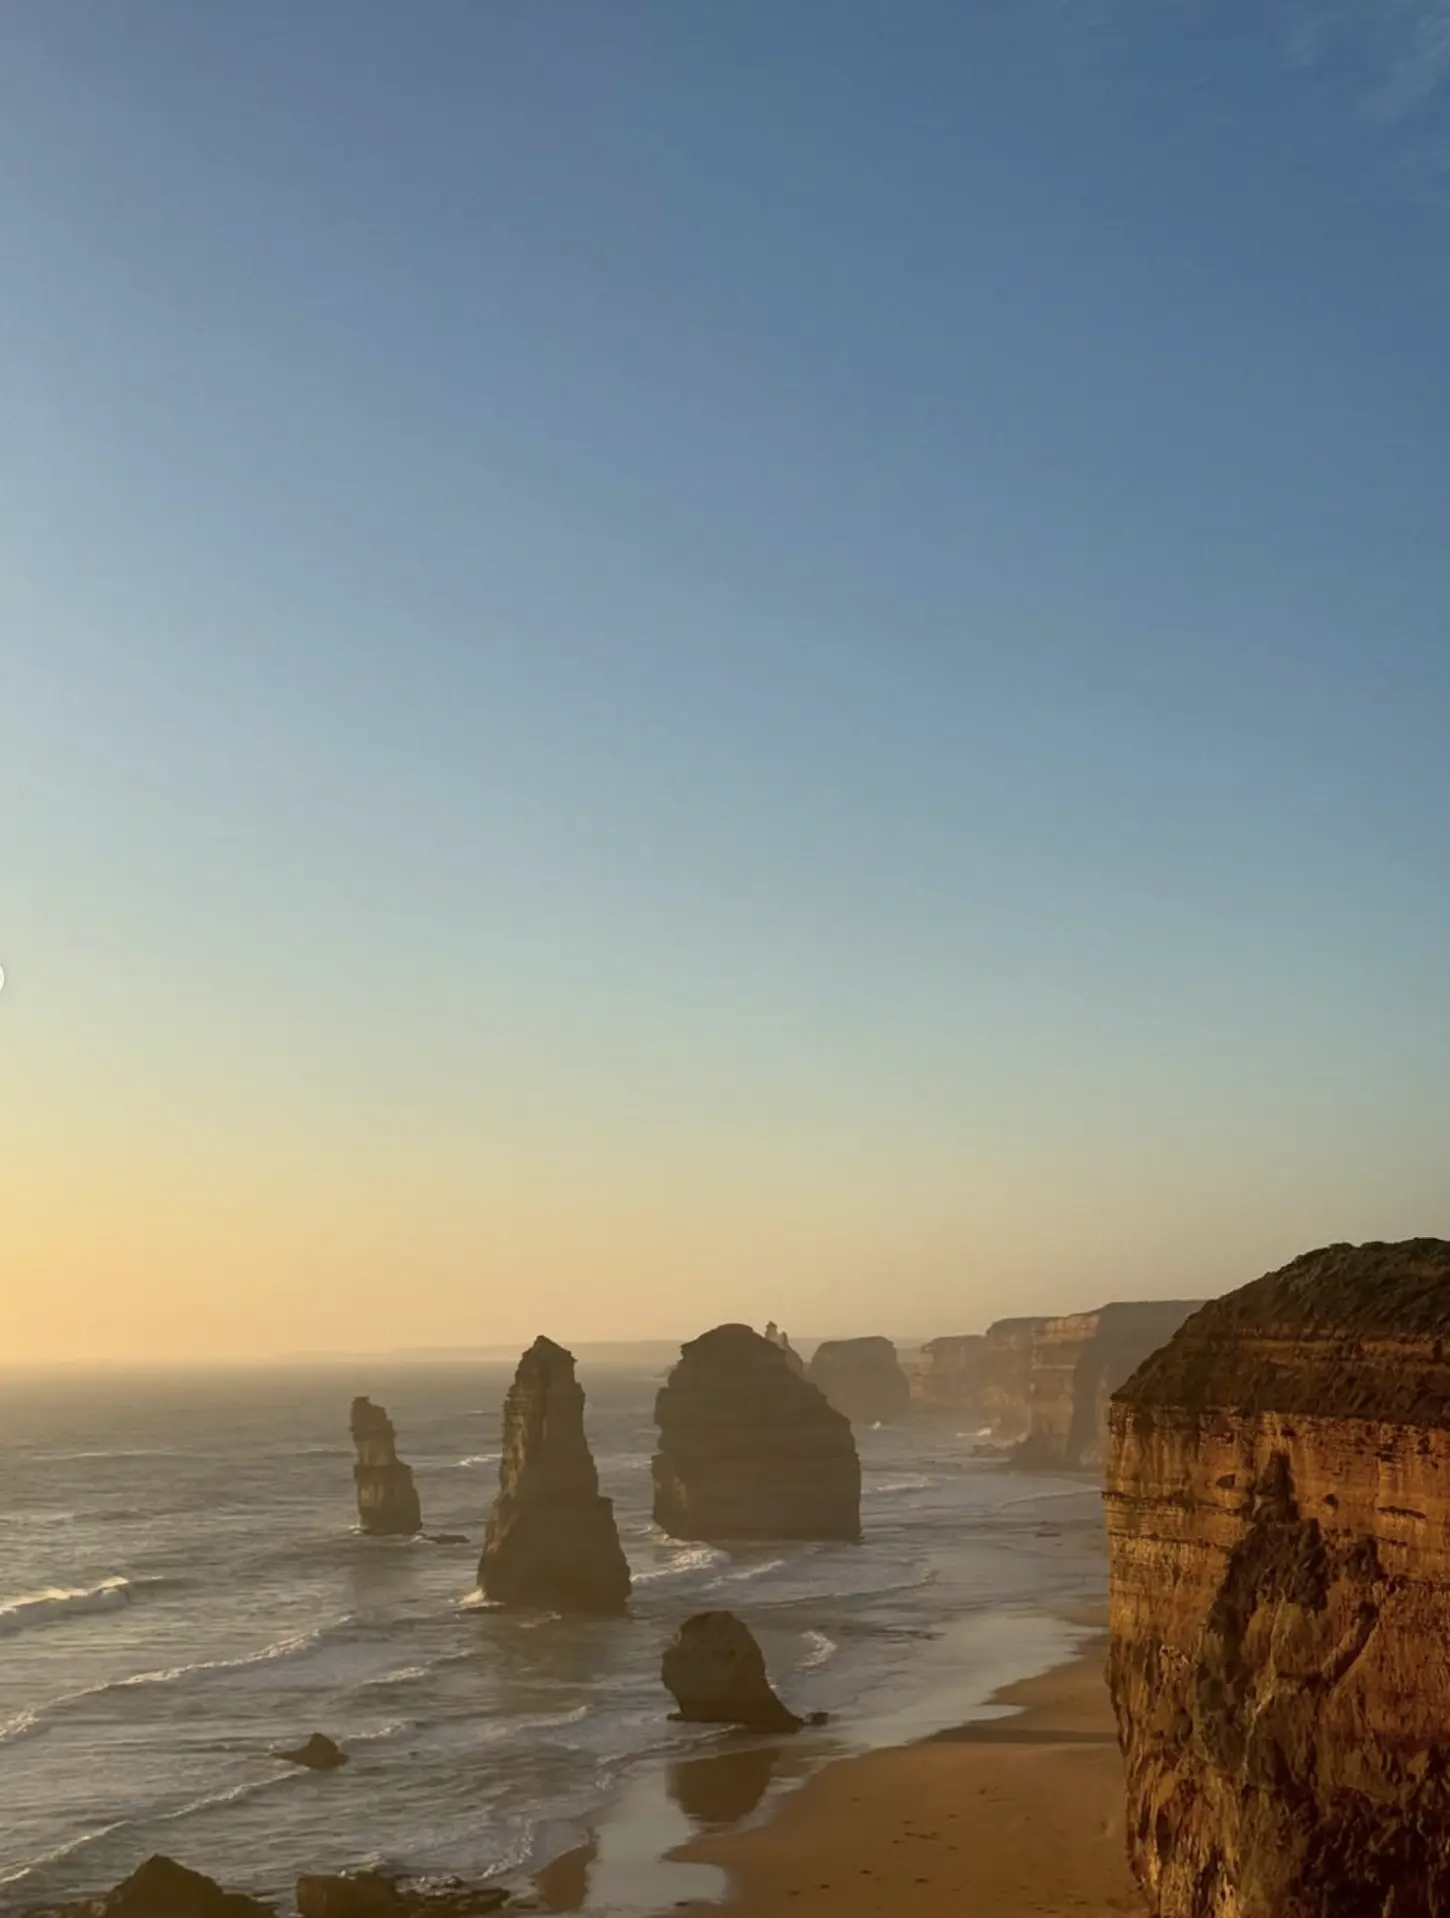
183	1590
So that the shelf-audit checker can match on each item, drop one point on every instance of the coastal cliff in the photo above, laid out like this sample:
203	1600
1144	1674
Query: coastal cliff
1078	1362
862	1378
750	1449
1278	1510
946	1376
551	1539
1006	1390
387	1499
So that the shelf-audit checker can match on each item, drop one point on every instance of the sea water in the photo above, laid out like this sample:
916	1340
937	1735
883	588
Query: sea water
183	1590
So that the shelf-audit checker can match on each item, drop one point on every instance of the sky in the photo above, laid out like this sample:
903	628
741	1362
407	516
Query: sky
672	661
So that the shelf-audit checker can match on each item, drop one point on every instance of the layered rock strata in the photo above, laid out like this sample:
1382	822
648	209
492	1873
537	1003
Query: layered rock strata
387	1500
717	1674
750	1450
1078	1362
947	1374
1278	1508
862	1378
1006	1390
551	1538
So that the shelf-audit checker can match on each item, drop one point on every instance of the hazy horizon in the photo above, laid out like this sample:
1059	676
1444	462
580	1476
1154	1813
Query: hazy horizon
668	663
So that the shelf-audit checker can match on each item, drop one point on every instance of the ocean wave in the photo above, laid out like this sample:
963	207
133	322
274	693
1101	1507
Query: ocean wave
744	1573
289	1647
107	1452
908	1482
59	1602
61	1853
688	1558
475	1601
22	1724
479	1458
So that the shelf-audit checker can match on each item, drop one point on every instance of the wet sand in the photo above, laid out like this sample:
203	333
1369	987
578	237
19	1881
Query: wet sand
1008	1819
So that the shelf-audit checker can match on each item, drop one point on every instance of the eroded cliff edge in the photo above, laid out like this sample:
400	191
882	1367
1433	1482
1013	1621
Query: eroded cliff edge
1278	1508
1078	1362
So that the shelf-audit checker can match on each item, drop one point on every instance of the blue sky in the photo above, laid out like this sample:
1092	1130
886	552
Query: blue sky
793	656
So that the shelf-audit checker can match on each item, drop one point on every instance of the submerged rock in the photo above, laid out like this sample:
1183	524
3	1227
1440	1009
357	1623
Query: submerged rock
387	1501
318	1754
161	1888
551	1538
716	1672
370	1894
750	1450
1078	1362
1278	1507
862	1378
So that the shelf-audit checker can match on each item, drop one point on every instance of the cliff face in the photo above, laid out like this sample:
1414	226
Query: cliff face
551	1538
749	1449
1078	1362
947	1376
1278	1507
387	1501
1006	1402
862	1378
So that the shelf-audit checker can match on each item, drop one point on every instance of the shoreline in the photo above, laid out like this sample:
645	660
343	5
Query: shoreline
1028	1774
1006	1817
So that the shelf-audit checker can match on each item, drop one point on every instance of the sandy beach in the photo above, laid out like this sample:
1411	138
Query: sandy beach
1002	1819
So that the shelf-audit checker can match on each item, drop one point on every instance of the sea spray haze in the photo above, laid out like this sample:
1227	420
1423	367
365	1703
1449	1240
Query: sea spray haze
226	1603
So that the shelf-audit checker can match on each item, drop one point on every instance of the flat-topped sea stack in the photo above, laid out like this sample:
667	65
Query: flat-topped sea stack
1078	1362
551	1538
387	1499
748	1449
862	1378
1278	1508
946	1376
1006	1393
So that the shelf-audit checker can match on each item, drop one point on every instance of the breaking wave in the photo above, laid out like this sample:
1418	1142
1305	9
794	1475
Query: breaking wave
59	1602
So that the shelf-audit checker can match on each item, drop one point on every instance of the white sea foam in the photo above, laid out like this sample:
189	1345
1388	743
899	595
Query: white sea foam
480	1458
19	1873
689	1558
819	1651
59	1602
743	1573
288	1647
908	1482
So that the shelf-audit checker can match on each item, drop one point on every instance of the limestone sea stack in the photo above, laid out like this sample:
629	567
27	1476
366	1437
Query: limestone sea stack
1278	1508
717	1674
748	1449
551	1539
862	1378
387	1500
1006	1392
1078	1362
778	1338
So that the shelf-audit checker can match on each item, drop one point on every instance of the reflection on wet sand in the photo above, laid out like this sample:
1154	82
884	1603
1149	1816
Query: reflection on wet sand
725	1787
563	1884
